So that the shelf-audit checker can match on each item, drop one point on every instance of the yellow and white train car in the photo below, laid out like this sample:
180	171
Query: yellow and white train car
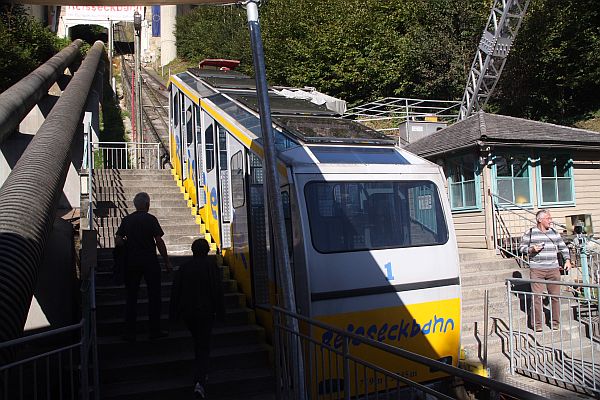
371	240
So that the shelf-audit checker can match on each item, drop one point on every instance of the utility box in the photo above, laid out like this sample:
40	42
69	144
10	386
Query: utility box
411	131
573	222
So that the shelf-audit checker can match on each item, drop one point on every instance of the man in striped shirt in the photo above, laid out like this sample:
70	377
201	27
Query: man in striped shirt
542	243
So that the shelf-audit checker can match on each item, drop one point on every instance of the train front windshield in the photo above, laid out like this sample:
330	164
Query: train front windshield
358	216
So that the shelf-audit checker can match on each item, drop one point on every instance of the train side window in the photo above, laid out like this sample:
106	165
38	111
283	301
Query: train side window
358	216
175	110
209	143
188	126
237	180
222	148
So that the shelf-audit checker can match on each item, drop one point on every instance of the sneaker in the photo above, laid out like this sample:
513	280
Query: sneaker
199	391
555	325
539	328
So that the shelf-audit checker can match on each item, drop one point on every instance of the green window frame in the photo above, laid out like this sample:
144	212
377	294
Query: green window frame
511	176
554	179
464	183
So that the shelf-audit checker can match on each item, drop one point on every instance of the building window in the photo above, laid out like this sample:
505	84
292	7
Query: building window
512	183
555	180
464	183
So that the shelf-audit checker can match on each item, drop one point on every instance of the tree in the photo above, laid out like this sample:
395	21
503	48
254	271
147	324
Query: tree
553	71
24	44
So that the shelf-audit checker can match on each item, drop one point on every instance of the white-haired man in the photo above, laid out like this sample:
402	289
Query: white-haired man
542	243
141	234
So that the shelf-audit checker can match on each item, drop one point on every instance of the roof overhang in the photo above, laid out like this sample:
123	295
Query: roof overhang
515	145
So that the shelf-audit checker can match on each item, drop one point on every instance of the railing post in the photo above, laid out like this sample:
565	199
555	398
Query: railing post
90	177
584	265
278	351
88	337
85	339
494	211
346	361
510	328
485	327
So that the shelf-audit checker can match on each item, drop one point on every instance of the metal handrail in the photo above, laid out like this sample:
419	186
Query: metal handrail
40	335
566	353
508	205
126	155
497	386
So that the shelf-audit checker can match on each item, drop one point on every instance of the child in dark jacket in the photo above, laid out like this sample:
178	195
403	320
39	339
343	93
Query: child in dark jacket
197	298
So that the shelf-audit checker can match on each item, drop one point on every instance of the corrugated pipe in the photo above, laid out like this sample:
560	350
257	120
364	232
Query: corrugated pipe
19	99
29	197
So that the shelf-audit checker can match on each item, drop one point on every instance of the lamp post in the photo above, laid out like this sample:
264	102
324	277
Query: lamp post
137	26
284	271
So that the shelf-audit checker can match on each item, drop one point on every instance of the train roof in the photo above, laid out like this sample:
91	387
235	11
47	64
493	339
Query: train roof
303	121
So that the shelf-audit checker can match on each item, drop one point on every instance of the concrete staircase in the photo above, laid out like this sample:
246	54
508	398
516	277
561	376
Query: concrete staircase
161	369
484	270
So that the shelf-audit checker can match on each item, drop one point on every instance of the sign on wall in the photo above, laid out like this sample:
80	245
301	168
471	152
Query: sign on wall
103	13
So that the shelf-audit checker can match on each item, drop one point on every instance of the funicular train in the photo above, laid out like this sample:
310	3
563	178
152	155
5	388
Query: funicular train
370	234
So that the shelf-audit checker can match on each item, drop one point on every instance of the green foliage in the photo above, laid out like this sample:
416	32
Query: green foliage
24	44
553	72
213	32
361	50
112	128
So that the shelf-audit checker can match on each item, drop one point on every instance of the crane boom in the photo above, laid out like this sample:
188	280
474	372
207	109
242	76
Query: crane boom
499	33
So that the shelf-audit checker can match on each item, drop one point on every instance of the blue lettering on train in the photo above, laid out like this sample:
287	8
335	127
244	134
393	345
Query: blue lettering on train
403	330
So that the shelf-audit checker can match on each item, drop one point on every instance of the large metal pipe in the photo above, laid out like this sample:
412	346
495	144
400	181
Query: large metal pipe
29	197
19	99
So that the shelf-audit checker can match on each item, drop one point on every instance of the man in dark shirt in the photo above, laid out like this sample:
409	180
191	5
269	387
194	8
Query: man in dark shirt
141	235
197	298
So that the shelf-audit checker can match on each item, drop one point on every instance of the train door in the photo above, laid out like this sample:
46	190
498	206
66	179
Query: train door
188	145
228	146
199	163
211	213
258	232
176	125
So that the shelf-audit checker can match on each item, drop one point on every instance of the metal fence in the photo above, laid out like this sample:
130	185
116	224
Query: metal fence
308	368
57	364
126	155
568	352
61	363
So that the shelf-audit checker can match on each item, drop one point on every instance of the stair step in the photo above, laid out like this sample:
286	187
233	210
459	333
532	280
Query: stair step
487	266
179	336
169	202
175	239
104	272
180	210
115	325
114	292
224	384
161	369
112	223
480	278
180	361
117	307
475	254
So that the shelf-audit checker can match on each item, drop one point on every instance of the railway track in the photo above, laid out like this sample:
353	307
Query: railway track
155	103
